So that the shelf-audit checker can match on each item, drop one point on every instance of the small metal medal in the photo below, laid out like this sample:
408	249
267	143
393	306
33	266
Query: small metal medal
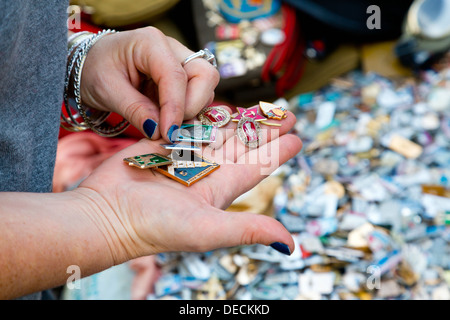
214	116
249	132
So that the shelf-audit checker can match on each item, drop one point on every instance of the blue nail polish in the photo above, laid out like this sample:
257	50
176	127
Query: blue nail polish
150	127
281	247
171	131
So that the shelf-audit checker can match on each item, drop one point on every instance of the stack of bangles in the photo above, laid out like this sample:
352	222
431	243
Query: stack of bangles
74	114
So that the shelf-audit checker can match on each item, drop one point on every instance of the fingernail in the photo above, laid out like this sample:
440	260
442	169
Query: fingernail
171	132
150	127
281	247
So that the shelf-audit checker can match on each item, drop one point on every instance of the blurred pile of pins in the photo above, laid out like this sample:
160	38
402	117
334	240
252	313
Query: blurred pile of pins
367	202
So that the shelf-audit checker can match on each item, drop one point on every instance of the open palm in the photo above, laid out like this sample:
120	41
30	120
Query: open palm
146	213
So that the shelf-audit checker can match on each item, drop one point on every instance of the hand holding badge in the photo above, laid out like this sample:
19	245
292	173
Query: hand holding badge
186	166
141	212
183	164
180	206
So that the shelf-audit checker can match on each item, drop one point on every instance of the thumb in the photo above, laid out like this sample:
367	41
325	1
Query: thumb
243	228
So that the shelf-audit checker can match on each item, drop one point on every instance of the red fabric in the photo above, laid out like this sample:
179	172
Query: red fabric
86	26
79	154
287	56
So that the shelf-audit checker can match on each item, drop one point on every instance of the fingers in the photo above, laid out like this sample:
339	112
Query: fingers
227	229
154	57
110	83
182	92
139	74
233	148
252	167
139	110
202	80
228	146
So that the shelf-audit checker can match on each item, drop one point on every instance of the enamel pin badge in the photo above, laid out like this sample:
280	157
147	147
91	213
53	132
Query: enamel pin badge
188	172
249	132
197	133
181	146
214	116
251	113
272	111
147	161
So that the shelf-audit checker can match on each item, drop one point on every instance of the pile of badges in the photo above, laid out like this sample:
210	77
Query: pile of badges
236	48
367	202
186	164
248	119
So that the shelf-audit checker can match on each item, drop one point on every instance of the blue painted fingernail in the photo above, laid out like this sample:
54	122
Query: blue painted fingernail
171	132
150	127
281	247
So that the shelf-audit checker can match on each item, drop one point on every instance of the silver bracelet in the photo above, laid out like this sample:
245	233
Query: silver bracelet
74	119
76	43
78	52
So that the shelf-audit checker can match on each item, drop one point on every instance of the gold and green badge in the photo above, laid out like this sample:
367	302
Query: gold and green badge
146	161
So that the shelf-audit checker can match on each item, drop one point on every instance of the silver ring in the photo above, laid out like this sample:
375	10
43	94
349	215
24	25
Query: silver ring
204	54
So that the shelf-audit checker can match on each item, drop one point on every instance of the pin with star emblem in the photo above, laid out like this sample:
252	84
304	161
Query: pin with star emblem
251	113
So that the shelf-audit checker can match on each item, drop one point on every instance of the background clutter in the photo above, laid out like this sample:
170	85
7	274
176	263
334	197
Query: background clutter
367	200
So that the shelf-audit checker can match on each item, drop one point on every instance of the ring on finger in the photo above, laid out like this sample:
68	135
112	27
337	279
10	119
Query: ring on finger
204	54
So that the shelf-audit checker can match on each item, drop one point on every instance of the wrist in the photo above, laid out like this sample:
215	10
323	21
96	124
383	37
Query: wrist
113	230
43	234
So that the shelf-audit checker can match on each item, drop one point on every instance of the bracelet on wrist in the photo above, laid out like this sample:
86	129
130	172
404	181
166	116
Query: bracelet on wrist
74	113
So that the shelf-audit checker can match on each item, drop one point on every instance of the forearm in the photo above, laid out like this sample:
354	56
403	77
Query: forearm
41	235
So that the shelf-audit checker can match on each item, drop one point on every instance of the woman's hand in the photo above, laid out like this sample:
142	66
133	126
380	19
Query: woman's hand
120	213
144	212
139	75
